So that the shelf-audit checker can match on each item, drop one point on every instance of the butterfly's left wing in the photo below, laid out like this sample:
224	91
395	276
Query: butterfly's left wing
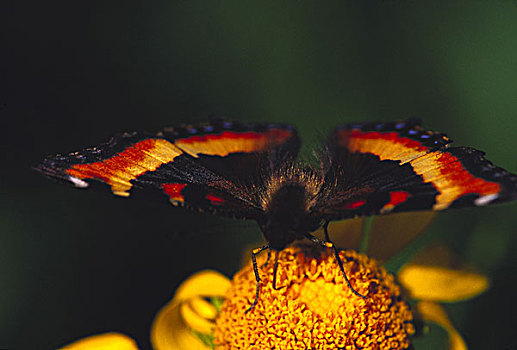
214	167
380	168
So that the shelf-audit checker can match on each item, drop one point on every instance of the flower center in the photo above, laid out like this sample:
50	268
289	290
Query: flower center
314	307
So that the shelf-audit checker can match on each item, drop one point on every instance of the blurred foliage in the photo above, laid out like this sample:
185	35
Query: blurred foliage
75	263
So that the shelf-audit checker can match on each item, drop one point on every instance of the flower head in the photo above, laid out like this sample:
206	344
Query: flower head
315	308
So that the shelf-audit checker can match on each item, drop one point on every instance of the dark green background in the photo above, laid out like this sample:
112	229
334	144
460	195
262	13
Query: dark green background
73	263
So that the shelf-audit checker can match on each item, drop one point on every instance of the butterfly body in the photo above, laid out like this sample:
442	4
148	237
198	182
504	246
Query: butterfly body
287	206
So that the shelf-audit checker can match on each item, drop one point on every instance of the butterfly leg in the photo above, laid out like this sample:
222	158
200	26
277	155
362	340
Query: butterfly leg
274	271
254	254
328	243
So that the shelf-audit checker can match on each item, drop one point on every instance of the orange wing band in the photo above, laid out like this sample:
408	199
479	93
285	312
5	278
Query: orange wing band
384	145
443	170
118	171
232	142
450	178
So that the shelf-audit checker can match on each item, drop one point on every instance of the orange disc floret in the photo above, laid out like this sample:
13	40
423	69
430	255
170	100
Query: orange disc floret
314	308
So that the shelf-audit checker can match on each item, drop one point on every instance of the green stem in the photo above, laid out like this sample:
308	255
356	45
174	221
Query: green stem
365	239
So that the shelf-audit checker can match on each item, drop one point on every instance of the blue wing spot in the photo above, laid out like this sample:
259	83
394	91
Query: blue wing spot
425	136
353	126
412	132
400	125
227	125
192	131
209	128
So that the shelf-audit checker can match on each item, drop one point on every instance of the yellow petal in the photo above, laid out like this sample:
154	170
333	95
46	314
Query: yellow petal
203	283
187	311
198	314
106	341
390	233
426	282
345	234
170	332
438	255
434	312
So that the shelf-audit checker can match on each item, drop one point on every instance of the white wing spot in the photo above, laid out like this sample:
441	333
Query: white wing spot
485	199
78	182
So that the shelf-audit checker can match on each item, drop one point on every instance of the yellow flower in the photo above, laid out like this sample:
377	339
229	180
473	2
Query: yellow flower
180	323
313	308
432	277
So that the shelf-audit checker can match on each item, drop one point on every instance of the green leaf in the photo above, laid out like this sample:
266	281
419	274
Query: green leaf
217	302
207	339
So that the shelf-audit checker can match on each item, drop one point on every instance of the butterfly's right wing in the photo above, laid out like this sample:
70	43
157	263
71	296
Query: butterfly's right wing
380	168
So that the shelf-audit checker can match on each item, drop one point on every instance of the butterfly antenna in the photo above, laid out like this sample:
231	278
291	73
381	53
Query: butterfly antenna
329	244
254	254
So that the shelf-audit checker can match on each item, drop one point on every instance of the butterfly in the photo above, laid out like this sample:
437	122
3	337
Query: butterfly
250	171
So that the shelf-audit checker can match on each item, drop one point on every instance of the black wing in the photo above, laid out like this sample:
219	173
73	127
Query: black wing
214	167
379	168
